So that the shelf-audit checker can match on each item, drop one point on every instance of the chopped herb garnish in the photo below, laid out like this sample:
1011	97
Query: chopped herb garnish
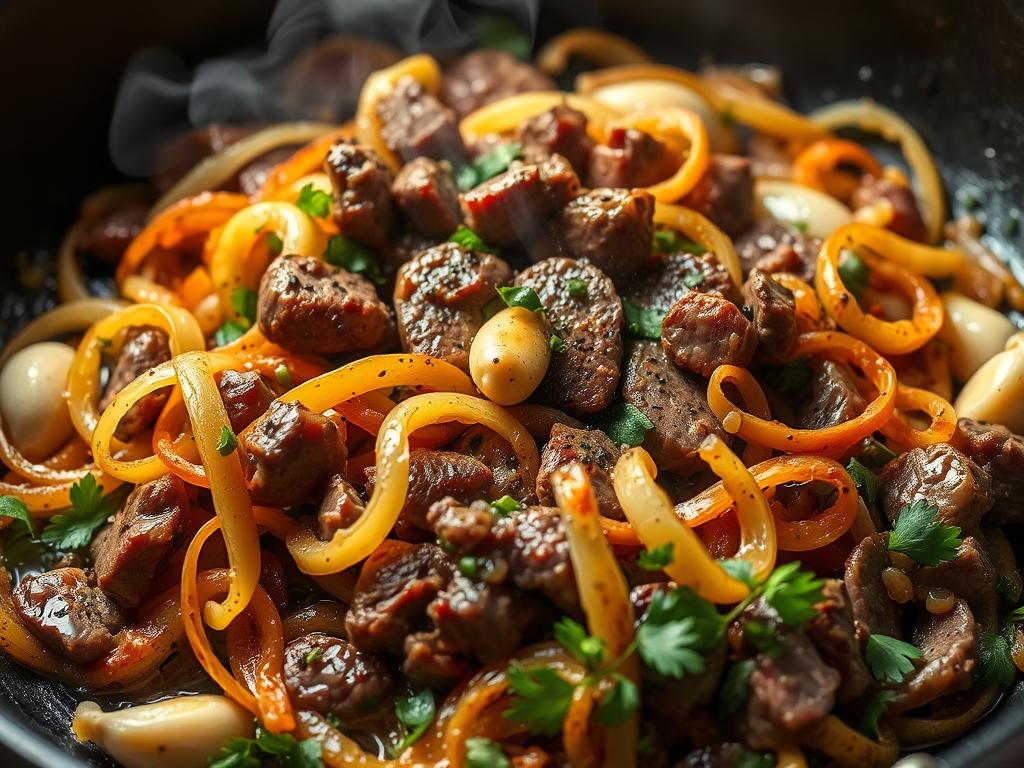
619	702
995	667
467	238
284	749
693	278
801	227
577	287
229	332
541	698
415	712
873	712
485	753
488	165
657	558
314	202
854	274
313	655
283	376
586	649
670	241
748	759
243	301
642	323
865	480
890	659
764	637
227	442
557	344
793	593
355	257
733	691
14	508
506	505
918	535
75	527
1008	592
521	296
624	423
875	454
741	570
469	564
274	243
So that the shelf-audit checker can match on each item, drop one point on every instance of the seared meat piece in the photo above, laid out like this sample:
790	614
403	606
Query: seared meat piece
178	156
970	575
432	476
292	454
496	454
610	227
307	305
67	615
413	124
362	198
999	452
949	648
869	599
942	476
440	297
835	638
340	507
128	554
273	579
108	238
834	397
659	288
675	402
774	316
583	378
561	130
254	174
428	661
725	194
331	676
906	220
671	703
246	396
774	247
591	448
630	158
483	76
425	192
704	330
144	347
512	206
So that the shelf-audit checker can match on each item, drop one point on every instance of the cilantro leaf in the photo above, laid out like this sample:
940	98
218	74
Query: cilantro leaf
76	527
748	759
865	480
854	274
577	287
670	241
619	702
243	301
237	753
995	667
542	698
488	165
624	423
790	378
14	508
585	648
684	603
283	748
307	754
642	323
763	636
416	713
230	331
485	753
800	226
469	565
1009	592
314	202
917	534
693	278
735	687
283	376
657	558
890	659
227	442
355	257
873	712
669	648
521	296
467	238
557	344
274	243
739	569
793	594
1016	616
502	34
506	505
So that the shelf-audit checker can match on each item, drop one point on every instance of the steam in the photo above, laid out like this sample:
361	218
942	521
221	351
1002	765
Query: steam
160	98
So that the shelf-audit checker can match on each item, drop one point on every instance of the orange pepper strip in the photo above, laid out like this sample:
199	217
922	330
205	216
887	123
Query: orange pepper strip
813	166
831	441
669	124
905	434
810	315
754	399
309	159
369	411
196	287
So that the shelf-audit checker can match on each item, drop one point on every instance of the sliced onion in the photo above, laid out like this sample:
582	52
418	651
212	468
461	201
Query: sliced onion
796	204
72	317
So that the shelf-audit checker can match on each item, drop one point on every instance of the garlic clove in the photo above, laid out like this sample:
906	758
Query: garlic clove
975	333
996	391
32	401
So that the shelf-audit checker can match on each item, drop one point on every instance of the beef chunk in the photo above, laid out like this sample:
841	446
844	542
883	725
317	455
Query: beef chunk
659	288
178	156
432	476
308	306
999	452
671	703
254	173
494	451
425	192
246	397
67	615
591	448
949	647
942	476
110	235
675	402
906	220
145	530
292	454
610	227
331	676
774	311
970	575
144	347
834	397
775	247
440	297
834	637
583	378
704	330
340	507
869	598
483	76
512	206
413	124
561	130
725	194
428	661
630	158
362	199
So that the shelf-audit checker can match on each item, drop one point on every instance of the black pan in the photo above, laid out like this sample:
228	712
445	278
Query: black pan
952	68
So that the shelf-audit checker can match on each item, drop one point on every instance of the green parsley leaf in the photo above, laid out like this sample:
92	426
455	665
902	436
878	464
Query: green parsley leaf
854	274
488	165
307	754
314	202
274	243
642	323
790	378
585	648
748	759
577	287
542	698
735	687
669	649
88	512
657	558
995	667
13	507
624	423
684	603
230	331
485	753
876	454
619	702
763	636
801	227
1008	592
917	534
865	480
237	753
741	570
275	743
793	594
670	241
355	257
506	505
890	659
557	344
243	301
521	296
1016	616
500	33
469	565
467	238
313	655
283	376
693	278
227	442
290	753
873	712
415	712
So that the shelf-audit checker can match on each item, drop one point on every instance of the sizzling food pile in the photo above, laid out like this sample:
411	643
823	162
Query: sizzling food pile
508	426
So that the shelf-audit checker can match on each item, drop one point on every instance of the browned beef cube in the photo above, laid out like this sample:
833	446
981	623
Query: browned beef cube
108	237
425	192
704	330
610	227
906	218
440	297
1000	453
331	676
144	347
253	175
413	124
178	156
67	615
246	397
725	194
835	638
970	575
145	531
429	661
660	286
340	507
774	247
362	192
630	158
774	315
494	451
834	397
869	599
292	454
307	305
561	130
483	76
583	378
591	448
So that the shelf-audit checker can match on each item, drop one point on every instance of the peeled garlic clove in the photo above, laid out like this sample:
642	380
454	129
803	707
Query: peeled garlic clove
32	402
183	732
996	391
975	333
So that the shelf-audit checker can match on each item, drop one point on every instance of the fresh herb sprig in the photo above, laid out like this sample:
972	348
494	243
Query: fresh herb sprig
920	536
